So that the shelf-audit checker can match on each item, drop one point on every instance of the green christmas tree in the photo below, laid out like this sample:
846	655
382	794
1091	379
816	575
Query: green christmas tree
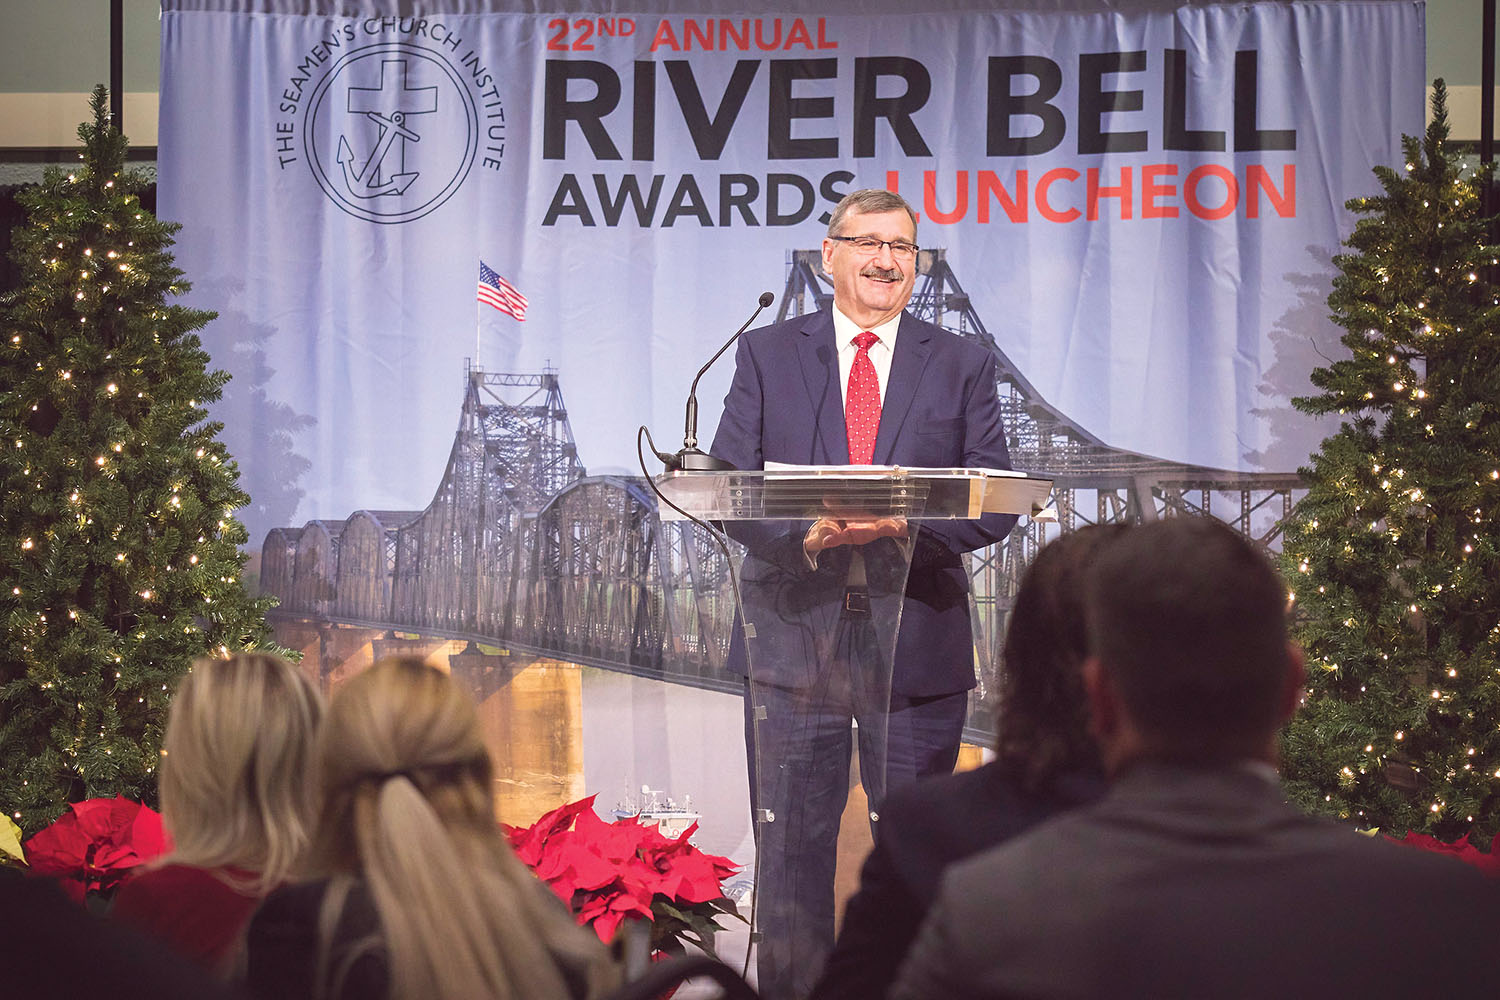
119	554
1392	556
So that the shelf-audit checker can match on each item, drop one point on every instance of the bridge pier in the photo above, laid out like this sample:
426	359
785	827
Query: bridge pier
330	652
305	636
390	644
532	716
344	650
485	673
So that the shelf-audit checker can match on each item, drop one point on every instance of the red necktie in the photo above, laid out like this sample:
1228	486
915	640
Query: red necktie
862	403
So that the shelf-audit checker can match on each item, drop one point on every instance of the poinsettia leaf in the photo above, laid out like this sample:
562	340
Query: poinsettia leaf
564	816
593	905
115	857
58	848
702	924
728	907
701	933
527	844
626	906
145	831
1489	863
664	907
695	879
639	876
620	841
93	816
581	866
640	896
530	842
691	921
608	924
10	840
671	924
658	840
705	945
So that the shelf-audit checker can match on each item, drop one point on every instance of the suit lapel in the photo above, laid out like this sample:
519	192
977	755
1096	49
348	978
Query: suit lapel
913	345
820	370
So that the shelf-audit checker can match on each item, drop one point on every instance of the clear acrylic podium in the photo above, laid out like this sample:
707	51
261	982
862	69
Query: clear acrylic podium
815	639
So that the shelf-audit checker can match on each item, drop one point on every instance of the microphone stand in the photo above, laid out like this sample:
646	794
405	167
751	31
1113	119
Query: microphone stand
690	458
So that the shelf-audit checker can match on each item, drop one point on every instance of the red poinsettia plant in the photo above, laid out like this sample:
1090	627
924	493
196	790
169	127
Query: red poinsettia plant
608	873
92	847
1487	862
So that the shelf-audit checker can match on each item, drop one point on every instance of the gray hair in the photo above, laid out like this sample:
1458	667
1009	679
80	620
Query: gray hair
870	200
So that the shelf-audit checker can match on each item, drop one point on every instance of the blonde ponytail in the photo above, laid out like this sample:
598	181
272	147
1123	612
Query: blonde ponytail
409	803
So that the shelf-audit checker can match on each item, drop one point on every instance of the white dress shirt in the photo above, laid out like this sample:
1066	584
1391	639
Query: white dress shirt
844	332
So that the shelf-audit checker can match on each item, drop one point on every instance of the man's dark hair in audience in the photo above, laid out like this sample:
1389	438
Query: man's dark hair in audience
1189	622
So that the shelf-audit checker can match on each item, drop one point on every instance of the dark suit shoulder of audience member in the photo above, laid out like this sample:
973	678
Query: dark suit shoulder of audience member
283	941
1046	765
1189	882
52	947
925	828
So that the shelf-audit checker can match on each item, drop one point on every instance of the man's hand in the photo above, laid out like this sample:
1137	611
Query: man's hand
827	532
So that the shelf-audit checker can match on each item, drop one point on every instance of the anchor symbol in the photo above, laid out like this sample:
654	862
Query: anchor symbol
363	181
387	106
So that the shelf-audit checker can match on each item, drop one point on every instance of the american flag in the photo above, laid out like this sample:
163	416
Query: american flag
500	293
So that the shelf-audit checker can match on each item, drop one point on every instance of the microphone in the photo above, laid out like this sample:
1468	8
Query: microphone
690	459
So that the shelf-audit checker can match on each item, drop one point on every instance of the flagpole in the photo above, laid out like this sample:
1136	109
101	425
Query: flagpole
477	307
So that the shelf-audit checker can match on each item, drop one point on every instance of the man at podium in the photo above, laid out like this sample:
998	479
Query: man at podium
841	631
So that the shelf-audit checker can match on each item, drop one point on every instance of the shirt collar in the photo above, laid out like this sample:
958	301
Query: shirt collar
845	330
1252	766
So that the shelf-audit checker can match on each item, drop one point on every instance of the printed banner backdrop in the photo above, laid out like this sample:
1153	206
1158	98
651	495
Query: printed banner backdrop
1141	204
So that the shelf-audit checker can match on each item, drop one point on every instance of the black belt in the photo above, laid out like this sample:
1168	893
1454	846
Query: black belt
857	601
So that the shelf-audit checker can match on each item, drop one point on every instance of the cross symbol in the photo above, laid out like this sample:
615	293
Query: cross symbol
391	102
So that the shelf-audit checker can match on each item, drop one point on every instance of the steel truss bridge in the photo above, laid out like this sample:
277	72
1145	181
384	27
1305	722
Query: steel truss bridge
520	549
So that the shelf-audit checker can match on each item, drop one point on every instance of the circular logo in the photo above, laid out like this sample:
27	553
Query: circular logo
391	132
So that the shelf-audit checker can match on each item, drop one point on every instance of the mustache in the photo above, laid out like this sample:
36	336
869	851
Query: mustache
884	273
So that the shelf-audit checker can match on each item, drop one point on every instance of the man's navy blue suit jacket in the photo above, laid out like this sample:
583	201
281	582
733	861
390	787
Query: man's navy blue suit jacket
940	410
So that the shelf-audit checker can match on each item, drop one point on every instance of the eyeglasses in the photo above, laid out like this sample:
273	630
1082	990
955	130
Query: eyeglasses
869	246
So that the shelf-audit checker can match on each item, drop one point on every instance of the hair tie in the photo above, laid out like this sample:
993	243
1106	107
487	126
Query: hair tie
436	773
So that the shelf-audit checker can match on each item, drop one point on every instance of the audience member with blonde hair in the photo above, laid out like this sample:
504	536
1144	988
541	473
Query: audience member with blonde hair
415	893
237	797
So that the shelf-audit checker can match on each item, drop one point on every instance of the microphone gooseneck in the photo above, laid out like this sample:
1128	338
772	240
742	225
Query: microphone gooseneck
690	458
